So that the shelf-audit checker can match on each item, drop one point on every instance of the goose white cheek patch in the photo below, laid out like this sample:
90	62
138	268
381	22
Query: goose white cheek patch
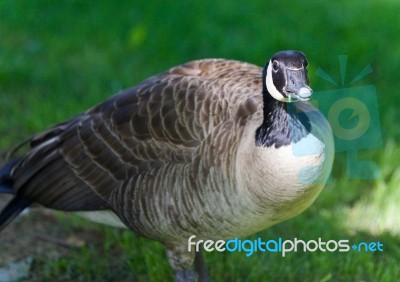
270	85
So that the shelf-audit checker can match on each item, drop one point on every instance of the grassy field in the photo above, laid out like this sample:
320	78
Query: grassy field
59	58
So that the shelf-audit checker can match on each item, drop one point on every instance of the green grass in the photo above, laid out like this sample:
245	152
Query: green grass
59	58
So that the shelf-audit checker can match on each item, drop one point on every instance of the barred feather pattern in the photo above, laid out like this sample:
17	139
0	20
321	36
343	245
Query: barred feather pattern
161	155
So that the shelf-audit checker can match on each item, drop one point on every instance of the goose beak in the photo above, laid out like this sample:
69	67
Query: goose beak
297	87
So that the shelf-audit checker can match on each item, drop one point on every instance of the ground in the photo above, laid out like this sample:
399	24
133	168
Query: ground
35	236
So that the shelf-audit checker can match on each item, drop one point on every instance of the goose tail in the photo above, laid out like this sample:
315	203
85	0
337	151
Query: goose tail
17	204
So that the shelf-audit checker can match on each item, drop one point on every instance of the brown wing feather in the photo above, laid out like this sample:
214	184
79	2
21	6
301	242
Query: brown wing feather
79	164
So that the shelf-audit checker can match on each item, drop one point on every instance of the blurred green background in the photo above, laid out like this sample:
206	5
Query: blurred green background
58	58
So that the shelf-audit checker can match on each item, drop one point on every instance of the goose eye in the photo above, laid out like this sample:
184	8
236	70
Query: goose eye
275	66
305	64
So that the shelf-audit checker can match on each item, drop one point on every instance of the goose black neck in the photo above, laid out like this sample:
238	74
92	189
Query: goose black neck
283	123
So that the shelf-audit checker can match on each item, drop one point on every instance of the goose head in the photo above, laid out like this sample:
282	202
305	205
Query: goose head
285	77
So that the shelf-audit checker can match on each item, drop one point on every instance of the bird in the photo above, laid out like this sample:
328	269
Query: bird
215	148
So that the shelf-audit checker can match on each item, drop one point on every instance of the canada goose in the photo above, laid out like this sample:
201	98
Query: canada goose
213	148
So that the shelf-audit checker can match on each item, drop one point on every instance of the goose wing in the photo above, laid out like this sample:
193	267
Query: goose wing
81	163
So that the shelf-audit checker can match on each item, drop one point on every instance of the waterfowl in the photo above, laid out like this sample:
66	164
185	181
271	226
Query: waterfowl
214	148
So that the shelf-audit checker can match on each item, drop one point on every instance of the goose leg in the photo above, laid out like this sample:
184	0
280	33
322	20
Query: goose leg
186	275
200	267
181	262
199	274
